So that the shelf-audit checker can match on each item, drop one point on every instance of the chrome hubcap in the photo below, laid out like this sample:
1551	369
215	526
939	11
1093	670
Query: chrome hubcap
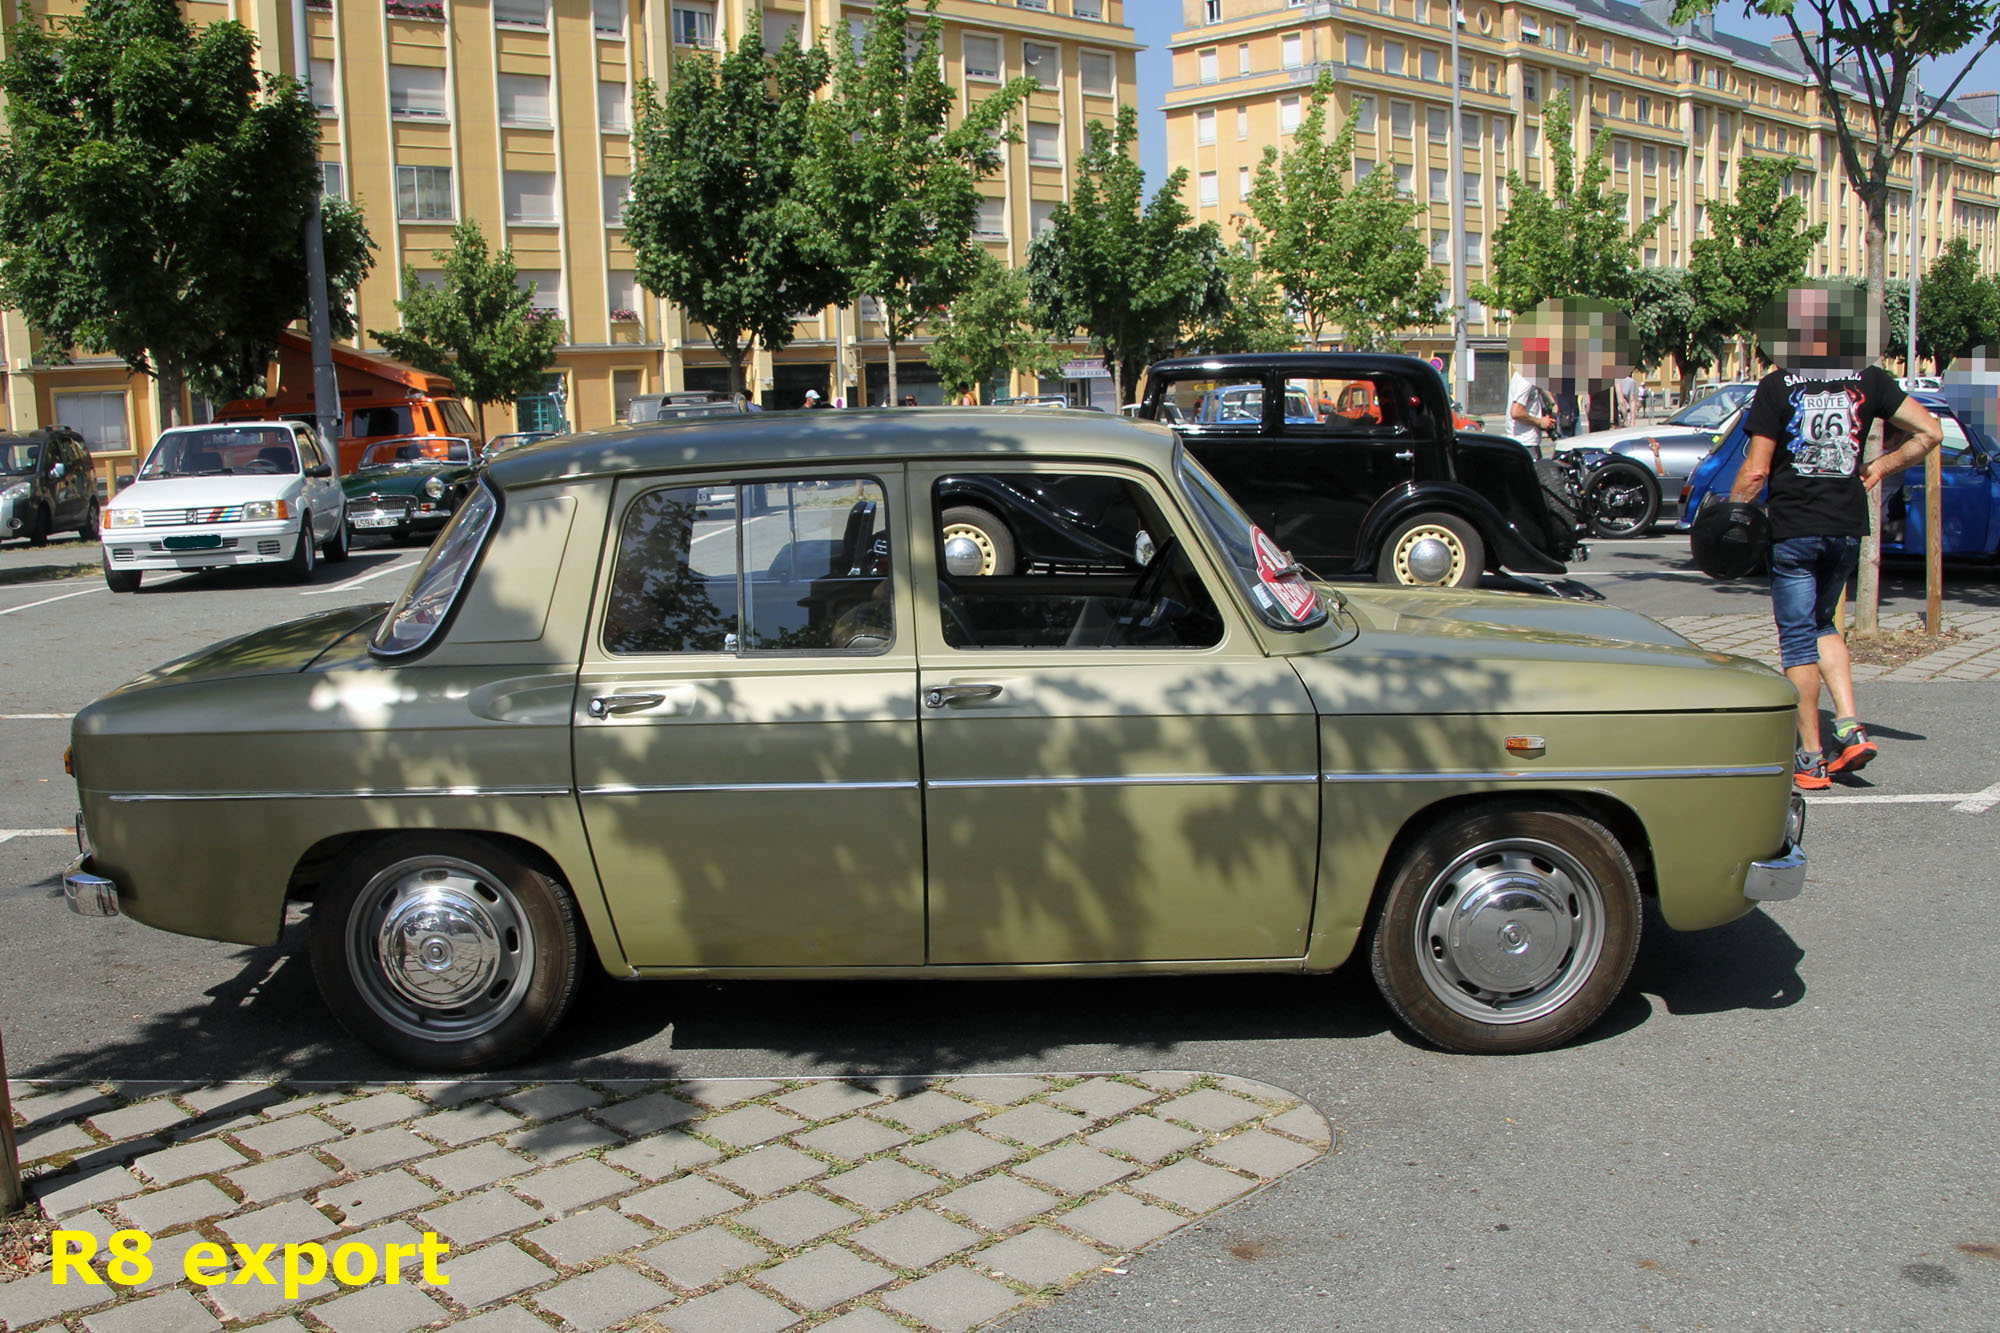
440	947
1510	931
969	550
1429	554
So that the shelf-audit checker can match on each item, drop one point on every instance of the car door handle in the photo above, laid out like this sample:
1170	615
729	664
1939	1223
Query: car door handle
944	696
607	705
1406	456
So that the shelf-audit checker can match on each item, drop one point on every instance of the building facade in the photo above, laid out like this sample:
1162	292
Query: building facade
1684	104
517	114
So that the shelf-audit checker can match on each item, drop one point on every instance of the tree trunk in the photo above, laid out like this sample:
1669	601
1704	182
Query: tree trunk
479	420
894	389
168	379
11	1197
1687	385
1116	365
736	356
1868	582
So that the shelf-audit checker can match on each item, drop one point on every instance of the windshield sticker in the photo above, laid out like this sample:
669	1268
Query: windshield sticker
1285	578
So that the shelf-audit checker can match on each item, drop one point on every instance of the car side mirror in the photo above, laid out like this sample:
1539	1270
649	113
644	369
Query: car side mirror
323	470
57	472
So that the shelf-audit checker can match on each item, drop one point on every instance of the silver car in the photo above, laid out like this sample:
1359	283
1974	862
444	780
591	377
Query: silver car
1669	449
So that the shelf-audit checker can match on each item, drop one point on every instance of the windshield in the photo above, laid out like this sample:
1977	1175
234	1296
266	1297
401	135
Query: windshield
1713	410
18	460
1274	583
221	451
420	449
434	589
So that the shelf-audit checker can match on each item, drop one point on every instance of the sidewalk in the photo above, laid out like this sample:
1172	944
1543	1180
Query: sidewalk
711	1206
1976	657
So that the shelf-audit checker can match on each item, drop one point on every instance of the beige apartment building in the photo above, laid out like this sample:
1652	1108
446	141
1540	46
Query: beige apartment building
1684	104
517	114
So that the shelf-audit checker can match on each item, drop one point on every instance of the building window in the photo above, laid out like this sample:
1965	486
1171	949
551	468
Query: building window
1427	66
625	386
617	189
1645	112
1402	119
1097	73
1440	247
416	90
423	194
1364	114
694	27
321	86
522	13
1211	11
1531	144
1042	5
1470	187
1406	180
1531	85
332	180
1243	183
1242	122
982	57
1288	114
1621	154
1437	123
1293	48
1357	50
1440	185
1649	159
1087	9
530	196
1204	127
1475	247
1041	216
607	17
1392	57
1243	58
1205	61
1616	102
623	292
524	99
992	219
1044	143
1042	63
546	286
1364	167
611	113
98	417
1210	190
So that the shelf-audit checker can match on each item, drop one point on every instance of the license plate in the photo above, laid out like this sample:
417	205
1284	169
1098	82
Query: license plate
376	520
206	541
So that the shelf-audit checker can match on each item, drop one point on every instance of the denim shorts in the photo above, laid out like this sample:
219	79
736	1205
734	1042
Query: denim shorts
1808	574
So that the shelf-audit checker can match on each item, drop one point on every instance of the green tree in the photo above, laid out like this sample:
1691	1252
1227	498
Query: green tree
1569	239
1129	272
1347	257
478	326
719	217
989	330
1669	319
1756	247
1252	316
1958	308
153	188
897	183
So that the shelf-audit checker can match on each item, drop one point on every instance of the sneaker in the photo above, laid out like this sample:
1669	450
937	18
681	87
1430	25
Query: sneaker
1809	772
1851	749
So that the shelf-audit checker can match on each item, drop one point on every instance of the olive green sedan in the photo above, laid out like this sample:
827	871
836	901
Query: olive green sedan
711	699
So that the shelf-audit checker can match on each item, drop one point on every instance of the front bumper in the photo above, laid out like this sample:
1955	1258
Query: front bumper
384	514
1782	876
241	544
89	894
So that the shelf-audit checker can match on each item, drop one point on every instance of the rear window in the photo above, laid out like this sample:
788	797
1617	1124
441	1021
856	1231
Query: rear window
434	591
456	420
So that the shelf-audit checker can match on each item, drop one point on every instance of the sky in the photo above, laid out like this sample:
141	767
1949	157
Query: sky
1154	21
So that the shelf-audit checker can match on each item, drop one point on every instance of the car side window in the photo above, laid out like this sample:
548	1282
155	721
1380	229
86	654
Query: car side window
1094	564
1367	406
1226	404
798	566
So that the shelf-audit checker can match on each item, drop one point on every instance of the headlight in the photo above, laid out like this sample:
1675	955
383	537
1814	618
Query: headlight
433	487
254	510
123	518
15	492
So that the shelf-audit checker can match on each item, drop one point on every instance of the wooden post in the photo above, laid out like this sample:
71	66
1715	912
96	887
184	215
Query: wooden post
11	1199
1934	543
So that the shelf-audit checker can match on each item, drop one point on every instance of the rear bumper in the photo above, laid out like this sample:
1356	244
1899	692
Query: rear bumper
89	894
1782	876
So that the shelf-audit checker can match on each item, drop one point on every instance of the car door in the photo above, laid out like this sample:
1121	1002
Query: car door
745	725
1114	771
1966	502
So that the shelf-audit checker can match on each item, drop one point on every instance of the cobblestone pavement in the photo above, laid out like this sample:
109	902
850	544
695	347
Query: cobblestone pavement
1976	657
731	1205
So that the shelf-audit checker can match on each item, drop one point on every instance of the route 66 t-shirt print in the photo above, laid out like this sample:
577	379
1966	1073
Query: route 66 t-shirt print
1820	418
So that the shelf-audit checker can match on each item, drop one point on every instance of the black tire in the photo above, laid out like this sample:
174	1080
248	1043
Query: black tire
122	580
1499	895
39	526
340	545
1462	541
89	529
304	554
1621	499
1561	500
996	543
516	925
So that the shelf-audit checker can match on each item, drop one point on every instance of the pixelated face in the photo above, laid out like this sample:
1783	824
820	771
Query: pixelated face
1972	387
1815	327
1571	340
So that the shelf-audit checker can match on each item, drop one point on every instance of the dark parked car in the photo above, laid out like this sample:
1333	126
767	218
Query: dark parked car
48	484
1350	462
408	487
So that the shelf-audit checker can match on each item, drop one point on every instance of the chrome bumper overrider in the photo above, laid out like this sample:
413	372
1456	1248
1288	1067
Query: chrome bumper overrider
1781	877
88	894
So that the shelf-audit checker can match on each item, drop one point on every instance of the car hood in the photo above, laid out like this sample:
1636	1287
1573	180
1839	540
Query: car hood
1449	651
392	479
275	650
1606	439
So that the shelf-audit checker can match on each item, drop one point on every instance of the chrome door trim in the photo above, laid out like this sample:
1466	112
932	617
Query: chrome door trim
643	789
1135	780
1558	774
352	794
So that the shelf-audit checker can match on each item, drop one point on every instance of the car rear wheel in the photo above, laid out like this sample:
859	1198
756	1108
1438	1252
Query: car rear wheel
122	580
1508	928
1432	550
445	951
89	529
990	542
302	562
1621	498
339	544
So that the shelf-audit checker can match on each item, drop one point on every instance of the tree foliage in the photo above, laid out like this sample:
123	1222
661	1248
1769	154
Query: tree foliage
1958	308
1569	239
1252	315
989	330
1756	247
719	218
1669	319
1129	272
153	190
1346	256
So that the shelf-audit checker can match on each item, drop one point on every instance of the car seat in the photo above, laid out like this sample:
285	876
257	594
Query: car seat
279	456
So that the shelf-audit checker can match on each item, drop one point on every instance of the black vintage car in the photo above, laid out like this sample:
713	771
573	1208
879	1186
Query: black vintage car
1350	461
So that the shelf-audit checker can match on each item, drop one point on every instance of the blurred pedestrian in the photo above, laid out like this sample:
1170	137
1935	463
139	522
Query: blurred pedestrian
1530	415
813	399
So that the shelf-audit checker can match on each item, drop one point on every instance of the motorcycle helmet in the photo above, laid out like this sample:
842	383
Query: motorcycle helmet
1730	539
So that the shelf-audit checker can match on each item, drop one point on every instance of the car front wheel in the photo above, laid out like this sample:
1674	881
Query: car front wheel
1433	550
1508	928
302	562
445	951
337	546
122	580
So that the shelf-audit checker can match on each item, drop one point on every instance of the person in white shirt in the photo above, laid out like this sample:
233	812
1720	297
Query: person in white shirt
1528	412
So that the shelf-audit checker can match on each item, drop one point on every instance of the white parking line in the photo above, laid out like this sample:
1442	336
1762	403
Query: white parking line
9	834
358	579
36	717
1980	802
1966	802
29	606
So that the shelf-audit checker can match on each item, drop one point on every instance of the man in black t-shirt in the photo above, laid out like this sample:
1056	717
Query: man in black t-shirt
1807	424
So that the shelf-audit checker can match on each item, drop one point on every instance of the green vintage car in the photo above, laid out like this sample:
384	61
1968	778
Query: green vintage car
408	487
705	699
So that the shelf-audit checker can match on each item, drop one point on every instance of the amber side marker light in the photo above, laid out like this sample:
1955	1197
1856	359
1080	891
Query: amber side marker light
69	769
1529	746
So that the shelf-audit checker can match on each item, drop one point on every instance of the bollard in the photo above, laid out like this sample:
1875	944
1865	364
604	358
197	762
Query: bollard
11	1199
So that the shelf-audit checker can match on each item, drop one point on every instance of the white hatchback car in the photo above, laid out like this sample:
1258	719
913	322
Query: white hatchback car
242	493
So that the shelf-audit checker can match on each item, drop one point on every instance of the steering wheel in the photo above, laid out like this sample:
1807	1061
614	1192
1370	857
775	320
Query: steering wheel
1152	581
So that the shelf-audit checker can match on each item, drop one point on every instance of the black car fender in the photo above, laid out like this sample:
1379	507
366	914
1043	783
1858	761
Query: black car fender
1506	544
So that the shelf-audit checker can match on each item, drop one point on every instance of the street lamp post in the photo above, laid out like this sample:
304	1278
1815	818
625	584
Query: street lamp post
326	381
1455	145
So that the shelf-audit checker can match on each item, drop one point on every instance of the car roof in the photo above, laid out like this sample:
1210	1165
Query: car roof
815	438
1300	363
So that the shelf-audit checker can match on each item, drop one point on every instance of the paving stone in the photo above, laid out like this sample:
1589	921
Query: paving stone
793	1219
1209	1109
562	1139
566	1188
61	1104
231	1098
506	1319
853	1138
1144	1137
881	1185
1121	1221
379	1148
55	1141
824	1277
1073	1169
61	1195
287	1324
376	1110
1035	1125
955	1299
287	1135
27	1301
168	1312
203	1158
700	1257
591	1234
465	1123
382	1309
1245	1087
751	1124
1302	1122
603	1298
92	1223
649	1114
898	1085
192	1202
1101	1098
285	1223
480	1217
915	1239
375	1197
717	1093
997	1203
862	1320
662	1155
927	1111
138	1120
996	1089
280	1177
960	1153
769	1169
680	1203
481	1277
1167	1080
1195	1186
169	1256
552	1100
145	1089
1040	1257
823	1101
731	1310
465	1090
472	1168
1265	1154
254	1299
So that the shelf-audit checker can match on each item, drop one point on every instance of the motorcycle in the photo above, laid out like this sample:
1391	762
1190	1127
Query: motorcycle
1601	492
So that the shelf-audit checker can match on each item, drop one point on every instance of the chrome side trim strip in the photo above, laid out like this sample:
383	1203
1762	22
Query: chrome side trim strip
621	789
1560	774
1140	780
363	794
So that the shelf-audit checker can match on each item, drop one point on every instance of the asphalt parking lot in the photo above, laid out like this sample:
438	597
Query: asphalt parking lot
1788	1122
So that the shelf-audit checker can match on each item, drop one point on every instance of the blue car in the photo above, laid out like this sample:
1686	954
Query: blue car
1970	504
